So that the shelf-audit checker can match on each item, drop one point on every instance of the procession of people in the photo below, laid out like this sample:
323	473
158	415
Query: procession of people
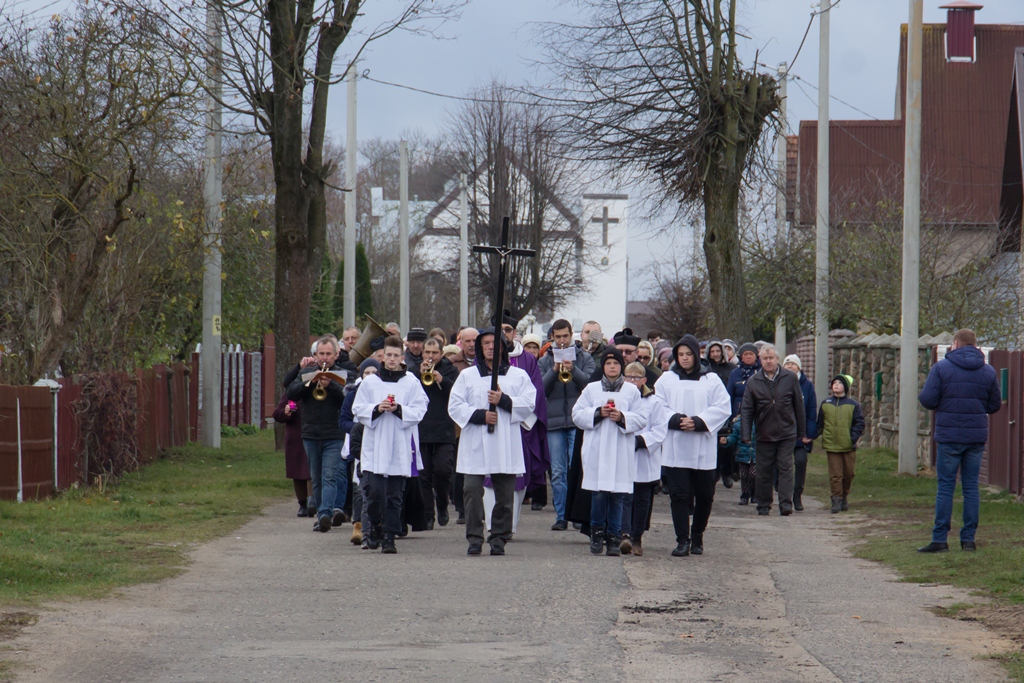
485	420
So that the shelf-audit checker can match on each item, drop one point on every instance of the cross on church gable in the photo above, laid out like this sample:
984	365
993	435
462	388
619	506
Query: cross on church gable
605	221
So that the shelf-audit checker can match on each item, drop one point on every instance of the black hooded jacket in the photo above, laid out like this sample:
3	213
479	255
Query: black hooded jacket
437	425
694	375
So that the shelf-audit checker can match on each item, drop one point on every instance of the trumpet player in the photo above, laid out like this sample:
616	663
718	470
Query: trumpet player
437	432
321	435
561	399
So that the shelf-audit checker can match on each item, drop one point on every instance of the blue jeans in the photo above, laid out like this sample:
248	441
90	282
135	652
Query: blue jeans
561	443
951	458
606	511
328	472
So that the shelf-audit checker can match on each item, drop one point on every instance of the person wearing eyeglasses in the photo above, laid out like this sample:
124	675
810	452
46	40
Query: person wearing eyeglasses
645	356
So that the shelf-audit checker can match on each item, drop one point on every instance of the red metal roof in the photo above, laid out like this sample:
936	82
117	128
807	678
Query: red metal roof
965	112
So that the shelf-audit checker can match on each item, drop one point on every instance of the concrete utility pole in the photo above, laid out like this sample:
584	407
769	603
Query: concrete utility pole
403	236
463	251
911	244
351	173
780	196
821	368
210	363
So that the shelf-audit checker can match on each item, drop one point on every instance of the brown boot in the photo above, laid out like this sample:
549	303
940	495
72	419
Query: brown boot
357	533
625	546
638	549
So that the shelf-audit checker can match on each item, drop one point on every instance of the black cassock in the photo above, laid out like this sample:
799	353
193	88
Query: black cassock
577	499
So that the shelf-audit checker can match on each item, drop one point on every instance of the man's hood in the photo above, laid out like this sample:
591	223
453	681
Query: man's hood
966	357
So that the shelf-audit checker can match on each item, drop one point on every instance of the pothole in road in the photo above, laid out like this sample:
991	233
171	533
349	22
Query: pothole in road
671	607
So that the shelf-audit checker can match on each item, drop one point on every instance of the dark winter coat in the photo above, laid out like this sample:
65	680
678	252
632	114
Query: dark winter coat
777	407
562	396
296	466
963	391
737	383
810	409
319	418
437	425
349	425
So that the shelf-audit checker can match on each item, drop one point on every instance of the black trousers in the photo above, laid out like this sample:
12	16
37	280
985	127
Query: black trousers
770	455
384	502
636	510
458	484
436	475
683	484
501	516
799	468
726	461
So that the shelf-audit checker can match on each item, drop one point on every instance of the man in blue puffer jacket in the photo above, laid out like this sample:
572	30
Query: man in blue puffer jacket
963	391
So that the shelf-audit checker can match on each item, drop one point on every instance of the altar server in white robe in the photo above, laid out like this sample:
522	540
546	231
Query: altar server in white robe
390	406
636	510
498	455
697	405
609	413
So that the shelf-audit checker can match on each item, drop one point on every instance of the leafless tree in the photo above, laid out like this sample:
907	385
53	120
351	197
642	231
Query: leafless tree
658	87
517	167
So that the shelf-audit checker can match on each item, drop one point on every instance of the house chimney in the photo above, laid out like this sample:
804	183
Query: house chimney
960	30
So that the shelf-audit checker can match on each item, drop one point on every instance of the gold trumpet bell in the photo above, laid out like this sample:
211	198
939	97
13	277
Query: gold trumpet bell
319	393
564	375
427	376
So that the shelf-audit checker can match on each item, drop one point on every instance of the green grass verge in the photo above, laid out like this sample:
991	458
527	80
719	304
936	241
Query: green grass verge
900	512
85	543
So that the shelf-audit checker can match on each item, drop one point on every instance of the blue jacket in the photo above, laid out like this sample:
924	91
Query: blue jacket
810	409
738	383
744	451
963	391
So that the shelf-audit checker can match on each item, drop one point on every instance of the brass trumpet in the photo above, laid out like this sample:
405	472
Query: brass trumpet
427	375
319	393
564	374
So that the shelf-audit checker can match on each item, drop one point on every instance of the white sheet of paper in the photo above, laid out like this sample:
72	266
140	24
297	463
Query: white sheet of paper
565	355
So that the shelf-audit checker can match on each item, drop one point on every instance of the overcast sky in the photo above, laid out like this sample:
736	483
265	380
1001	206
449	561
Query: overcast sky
495	39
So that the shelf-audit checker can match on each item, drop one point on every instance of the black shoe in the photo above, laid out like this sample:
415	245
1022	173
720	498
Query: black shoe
560	525
365	544
474	549
843	505
744	500
339	517
430	525
697	544
387	546
461	518
497	549
968	546
597	540
310	508
785	509
404	532
763	512
374	542
626	546
682	550
612	548
934	547
323	524
303	511
442	517
798	502
537	506
726	481
837	504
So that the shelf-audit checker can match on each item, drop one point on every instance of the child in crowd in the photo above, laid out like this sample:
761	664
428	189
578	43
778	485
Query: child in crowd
840	424
744	458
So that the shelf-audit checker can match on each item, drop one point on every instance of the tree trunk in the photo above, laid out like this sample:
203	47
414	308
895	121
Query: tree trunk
723	255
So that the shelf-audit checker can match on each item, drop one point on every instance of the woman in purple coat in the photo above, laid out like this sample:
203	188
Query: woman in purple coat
296	467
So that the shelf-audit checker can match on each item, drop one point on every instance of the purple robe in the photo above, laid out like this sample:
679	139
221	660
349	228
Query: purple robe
535	441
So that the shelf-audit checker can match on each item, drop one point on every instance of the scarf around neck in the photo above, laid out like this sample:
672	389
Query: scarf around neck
611	385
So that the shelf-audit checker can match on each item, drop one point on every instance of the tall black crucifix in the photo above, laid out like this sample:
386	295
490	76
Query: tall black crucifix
503	251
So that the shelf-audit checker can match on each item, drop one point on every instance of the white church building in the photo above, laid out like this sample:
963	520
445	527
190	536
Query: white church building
592	230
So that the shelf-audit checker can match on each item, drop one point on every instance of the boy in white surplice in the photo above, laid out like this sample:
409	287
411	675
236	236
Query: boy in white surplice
609	413
498	454
390	406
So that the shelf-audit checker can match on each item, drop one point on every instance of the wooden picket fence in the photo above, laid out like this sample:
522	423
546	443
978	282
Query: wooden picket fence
41	445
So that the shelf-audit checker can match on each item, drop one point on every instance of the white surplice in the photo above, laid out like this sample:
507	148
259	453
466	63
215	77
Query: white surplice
705	398
388	441
648	460
502	451
608	451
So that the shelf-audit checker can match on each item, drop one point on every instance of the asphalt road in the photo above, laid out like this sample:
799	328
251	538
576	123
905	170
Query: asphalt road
773	599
